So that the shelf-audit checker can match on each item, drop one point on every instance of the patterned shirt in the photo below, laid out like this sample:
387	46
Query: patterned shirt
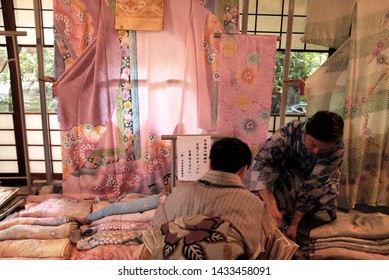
312	179
219	194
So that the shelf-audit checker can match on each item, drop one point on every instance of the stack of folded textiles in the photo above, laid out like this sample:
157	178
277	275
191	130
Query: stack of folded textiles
42	229
54	226
354	235
114	230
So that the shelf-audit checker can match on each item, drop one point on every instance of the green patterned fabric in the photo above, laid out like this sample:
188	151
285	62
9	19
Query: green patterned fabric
354	83
328	22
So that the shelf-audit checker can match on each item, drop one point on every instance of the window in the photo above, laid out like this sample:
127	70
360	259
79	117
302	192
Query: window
271	17
20	15
25	21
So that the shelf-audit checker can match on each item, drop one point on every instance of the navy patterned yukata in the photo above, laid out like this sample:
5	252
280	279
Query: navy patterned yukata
299	180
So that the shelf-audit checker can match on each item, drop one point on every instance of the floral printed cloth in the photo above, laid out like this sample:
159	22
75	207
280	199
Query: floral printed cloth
246	66
51	221
227	12
36	248
198	237
353	82
116	225
109	252
113	237
57	207
133	217
114	103
123	226
38	232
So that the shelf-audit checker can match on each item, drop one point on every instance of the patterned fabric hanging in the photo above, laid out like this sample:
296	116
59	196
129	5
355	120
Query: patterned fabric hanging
246	66
117	95
139	14
353	82
226	11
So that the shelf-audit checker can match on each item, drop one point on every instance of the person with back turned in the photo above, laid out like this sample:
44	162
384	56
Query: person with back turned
220	197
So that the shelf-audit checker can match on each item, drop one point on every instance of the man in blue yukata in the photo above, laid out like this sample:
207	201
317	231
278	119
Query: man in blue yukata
297	170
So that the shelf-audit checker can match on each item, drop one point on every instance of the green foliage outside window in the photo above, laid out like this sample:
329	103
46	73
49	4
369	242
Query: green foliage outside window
30	83
302	65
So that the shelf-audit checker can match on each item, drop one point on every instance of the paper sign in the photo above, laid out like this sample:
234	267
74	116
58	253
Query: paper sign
192	157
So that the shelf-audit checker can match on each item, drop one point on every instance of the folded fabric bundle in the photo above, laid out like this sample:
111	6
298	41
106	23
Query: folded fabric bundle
358	225
113	237
376	248
51	221
351	236
36	248
37	232
116	225
54	207
125	207
133	217
353	240
344	254
109	252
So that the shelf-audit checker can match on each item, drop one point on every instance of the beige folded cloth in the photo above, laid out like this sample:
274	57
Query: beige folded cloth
36	248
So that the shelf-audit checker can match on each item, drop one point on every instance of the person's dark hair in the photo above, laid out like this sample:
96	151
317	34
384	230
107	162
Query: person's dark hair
229	155
325	126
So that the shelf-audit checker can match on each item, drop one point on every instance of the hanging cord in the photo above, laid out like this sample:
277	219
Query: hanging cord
48	79
4	63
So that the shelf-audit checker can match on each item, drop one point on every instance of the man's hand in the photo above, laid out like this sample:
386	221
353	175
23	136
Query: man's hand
270	201
291	232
